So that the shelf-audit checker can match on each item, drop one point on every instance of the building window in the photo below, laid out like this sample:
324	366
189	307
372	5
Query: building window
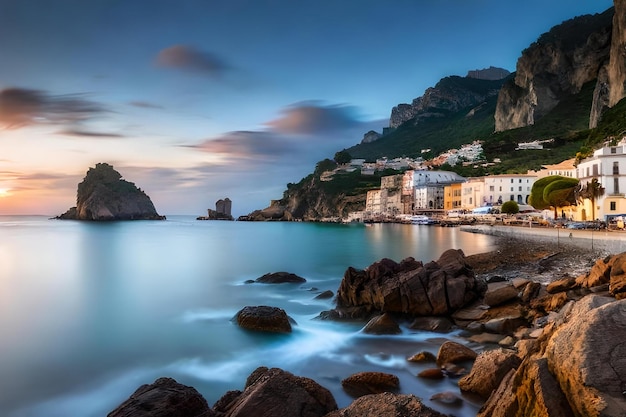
500	188
511	188
616	168
520	180
613	206
616	185
613	150
595	170
520	188
512	180
491	188
512	197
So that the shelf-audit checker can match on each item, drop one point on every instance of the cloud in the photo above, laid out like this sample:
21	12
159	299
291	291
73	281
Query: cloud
20	107
311	118
145	105
247	145
189	59
85	133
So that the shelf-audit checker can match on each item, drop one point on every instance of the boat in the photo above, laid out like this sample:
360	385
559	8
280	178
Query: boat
422	220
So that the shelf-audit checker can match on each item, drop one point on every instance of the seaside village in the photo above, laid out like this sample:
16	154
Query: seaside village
423	195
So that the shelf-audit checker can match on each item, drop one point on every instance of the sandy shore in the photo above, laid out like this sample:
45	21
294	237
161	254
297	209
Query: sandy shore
542	254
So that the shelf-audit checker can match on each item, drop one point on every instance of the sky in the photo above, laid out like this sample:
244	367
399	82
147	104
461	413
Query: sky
199	100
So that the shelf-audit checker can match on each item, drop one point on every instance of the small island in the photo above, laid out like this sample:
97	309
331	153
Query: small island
221	212
103	195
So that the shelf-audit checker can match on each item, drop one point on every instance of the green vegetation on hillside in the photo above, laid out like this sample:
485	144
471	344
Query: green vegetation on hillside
445	131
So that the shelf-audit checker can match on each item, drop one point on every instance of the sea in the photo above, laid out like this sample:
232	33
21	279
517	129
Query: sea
90	311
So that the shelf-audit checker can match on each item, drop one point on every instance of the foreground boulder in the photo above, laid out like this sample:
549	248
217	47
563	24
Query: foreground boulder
164	398
264	319
277	393
104	195
386	404
364	383
488	372
410	287
577	367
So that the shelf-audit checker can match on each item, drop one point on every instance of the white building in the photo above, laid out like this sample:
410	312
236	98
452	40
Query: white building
608	165
505	187
429	197
410	191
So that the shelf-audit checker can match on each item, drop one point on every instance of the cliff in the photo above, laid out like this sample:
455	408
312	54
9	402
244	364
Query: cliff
450	95
312	199
557	65
104	195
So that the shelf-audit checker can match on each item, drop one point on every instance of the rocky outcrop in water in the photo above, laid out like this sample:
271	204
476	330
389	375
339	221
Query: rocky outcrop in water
557	66
410	287
164	398
277	393
264	319
569	362
104	195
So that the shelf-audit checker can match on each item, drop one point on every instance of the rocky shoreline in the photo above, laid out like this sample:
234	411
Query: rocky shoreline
549	322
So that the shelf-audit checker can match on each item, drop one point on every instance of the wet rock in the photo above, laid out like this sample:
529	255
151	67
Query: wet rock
488	371
383	324
264	319
471	313
500	293
452	352
598	275
505	325
386	404
551	302
507	341
484	338
452	370
277	393
431	373
431	324
280	278
422	357
561	285
325	295
409	287
530	291
447	398
617	282
365	383
164	398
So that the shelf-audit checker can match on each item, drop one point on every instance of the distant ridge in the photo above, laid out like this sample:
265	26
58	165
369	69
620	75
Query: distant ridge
491	73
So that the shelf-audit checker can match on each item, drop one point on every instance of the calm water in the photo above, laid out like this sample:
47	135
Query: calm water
88	311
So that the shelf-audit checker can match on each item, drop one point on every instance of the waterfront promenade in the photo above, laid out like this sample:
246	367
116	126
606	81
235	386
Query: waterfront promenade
605	241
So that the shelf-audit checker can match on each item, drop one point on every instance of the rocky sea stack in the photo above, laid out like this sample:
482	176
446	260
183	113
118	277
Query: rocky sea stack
104	195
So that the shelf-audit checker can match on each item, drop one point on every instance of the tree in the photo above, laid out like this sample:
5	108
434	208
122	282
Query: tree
325	165
510	207
591	191
554	191
342	157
